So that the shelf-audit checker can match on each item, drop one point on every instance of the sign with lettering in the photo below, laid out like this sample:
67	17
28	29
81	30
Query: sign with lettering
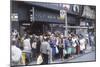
87	12
62	14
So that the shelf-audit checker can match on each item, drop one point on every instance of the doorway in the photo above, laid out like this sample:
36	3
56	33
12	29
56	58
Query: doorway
39	28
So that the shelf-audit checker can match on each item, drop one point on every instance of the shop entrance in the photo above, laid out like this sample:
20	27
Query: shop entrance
39	28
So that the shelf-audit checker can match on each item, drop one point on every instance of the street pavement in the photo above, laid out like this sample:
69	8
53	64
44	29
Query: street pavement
90	56
87	57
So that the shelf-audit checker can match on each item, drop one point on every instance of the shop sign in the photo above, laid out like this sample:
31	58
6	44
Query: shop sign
26	24
32	14
88	12
62	14
76	8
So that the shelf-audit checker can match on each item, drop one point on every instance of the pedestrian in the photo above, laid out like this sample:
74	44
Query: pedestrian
69	48
53	46
34	48
38	44
74	43
78	45
27	48
16	54
18	43
45	50
61	47
82	44
14	35
66	45
57	47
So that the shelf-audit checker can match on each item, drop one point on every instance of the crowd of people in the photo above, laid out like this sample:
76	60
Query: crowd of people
45	48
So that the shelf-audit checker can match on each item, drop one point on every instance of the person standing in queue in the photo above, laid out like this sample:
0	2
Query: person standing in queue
27	49
38	44
16	56
45	50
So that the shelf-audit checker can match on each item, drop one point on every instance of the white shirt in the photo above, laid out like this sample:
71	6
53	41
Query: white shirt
27	45
82	44
16	53
34	45
57	41
73	42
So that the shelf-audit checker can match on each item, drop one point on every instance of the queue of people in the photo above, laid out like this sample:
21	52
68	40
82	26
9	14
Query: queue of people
45	48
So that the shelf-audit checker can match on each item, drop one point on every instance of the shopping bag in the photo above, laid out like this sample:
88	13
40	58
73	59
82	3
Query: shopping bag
23	60
73	49
64	52
57	51
39	59
69	50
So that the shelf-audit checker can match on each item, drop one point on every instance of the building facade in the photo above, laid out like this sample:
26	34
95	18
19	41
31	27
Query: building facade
38	18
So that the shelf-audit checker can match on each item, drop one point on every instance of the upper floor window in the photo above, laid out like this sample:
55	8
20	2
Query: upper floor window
14	17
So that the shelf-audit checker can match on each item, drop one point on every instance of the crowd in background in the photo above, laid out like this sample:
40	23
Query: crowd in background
46	48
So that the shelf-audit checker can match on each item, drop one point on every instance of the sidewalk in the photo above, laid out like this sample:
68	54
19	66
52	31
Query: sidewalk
89	50
91	56
71	58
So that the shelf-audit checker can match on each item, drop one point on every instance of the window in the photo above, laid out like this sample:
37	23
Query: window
14	17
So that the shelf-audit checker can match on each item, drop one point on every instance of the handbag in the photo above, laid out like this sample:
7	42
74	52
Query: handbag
39	59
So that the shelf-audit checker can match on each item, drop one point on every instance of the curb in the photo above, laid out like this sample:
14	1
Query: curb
74	57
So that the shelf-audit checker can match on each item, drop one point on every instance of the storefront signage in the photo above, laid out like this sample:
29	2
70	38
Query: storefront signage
62	14
32	14
48	17
76	8
26	24
88	12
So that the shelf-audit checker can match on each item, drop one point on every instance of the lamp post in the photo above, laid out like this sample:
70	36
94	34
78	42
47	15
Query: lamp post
66	30
66	8
89	44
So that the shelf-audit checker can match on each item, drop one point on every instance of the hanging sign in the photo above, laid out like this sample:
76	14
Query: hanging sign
62	14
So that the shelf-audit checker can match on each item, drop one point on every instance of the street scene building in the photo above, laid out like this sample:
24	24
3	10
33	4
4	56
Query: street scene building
45	33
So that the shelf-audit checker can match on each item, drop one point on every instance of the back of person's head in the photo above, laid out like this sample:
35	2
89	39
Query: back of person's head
80	36
12	30
13	42
26	36
46	39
